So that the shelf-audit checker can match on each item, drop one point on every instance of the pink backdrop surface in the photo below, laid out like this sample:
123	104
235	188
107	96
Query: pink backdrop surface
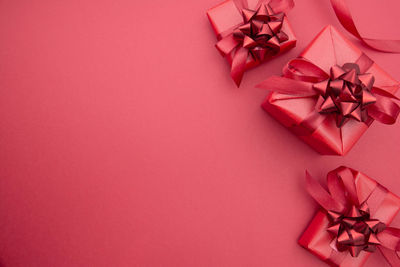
124	142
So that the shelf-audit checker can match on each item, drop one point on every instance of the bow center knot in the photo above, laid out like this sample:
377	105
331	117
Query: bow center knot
346	93
261	31
354	230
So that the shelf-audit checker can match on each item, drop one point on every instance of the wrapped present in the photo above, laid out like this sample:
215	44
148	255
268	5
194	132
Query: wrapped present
251	31
331	94
353	221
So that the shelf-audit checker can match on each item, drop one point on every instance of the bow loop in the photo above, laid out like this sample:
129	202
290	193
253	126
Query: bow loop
304	70
384	110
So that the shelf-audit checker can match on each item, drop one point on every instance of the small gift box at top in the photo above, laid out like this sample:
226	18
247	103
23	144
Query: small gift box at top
331	94
251	31
353	221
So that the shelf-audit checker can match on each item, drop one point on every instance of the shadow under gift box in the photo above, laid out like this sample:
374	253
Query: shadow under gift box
318	240
226	16
328	48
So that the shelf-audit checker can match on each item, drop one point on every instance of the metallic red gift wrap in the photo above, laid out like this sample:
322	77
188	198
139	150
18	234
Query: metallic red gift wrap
251	31
353	221
331	94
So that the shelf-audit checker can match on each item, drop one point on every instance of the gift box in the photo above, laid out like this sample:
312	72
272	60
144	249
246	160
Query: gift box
353	221
331	94
251	31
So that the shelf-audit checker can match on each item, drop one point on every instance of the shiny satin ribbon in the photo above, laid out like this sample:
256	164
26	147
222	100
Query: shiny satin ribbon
258	36
350	209
302	78
344	16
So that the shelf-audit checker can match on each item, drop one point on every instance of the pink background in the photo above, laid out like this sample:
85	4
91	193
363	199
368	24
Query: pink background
124	142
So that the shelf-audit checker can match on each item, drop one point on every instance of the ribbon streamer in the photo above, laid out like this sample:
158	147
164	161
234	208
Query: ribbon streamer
344	16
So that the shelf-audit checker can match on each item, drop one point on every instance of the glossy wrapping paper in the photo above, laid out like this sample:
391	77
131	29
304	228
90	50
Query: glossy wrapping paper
368	195
328	135
268	33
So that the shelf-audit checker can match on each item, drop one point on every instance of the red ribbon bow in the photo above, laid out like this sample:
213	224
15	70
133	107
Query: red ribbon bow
348	92
259	36
352	227
354	230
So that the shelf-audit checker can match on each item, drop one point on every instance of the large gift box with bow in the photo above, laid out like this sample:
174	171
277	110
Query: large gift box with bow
331	94
251	31
353	221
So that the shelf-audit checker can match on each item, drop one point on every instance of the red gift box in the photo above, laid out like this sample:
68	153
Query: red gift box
368	195
331	94
250	32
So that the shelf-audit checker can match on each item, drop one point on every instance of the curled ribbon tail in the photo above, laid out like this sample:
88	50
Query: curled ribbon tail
344	16
239	65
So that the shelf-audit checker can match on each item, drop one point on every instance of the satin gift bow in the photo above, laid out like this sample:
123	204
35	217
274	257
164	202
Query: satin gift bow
259	35
352	226
347	92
